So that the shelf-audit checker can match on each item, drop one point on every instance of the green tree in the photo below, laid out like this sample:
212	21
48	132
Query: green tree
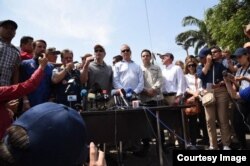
196	38
225	21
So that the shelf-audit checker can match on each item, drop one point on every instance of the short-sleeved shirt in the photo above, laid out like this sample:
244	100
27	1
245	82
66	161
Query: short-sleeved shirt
100	74
42	93
63	89
9	58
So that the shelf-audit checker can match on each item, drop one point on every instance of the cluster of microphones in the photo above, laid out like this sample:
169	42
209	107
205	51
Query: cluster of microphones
97	98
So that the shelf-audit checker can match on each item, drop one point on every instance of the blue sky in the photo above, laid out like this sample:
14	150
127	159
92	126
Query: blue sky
80	24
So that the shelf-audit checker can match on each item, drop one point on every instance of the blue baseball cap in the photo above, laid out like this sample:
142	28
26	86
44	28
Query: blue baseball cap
57	136
204	52
240	52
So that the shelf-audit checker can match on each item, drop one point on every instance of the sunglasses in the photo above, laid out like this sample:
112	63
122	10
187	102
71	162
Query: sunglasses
192	65
127	50
98	50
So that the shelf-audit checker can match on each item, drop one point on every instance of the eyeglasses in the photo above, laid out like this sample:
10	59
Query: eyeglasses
98	50
127	50
192	65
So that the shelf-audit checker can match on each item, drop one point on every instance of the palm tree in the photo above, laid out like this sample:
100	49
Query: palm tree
195	38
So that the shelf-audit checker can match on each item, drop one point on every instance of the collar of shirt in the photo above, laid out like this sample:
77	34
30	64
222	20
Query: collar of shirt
131	61
146	67
169	66
96	64
9	44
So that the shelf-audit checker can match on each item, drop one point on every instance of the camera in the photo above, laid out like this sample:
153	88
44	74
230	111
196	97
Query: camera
227	74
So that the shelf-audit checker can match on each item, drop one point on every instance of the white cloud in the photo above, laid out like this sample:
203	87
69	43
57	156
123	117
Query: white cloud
82	19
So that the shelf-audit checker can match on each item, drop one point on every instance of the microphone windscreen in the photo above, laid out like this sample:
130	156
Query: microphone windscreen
123	92
83	92
91	96
114	92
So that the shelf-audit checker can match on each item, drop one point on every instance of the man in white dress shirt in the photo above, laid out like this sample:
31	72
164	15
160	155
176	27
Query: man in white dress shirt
127	74
173	80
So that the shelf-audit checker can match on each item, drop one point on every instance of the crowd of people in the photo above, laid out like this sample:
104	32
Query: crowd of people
44	80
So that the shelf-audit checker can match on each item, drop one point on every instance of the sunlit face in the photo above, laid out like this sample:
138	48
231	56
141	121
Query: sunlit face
242	59
146	57
7	31
166	60
216	54
52	57
225	54
28	47
67	58
99	53
126	52
39	48
191	67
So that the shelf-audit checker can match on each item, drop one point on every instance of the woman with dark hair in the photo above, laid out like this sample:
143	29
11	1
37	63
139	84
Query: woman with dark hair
192	97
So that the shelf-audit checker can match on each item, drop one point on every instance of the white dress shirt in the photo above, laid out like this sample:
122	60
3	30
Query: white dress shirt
173	80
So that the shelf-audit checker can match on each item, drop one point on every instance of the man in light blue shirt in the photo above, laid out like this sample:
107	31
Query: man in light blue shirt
127	74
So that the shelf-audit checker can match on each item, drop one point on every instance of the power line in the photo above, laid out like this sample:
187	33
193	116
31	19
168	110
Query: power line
149	31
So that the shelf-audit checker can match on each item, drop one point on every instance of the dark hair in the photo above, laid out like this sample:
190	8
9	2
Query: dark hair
170	55
188	57
146	50
41	41
215	47
190	60
117	58
25	40
66	51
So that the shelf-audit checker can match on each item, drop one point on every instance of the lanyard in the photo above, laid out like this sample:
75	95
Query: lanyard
244	71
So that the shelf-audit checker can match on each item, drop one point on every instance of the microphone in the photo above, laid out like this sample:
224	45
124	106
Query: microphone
122	94
70	82
91	98
105	95
131	95
114	92
83	94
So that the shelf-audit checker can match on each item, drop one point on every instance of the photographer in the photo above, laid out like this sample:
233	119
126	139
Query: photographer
210	73
67	80
241	81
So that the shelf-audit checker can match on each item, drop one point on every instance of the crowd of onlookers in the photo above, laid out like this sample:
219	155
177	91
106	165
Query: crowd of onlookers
216	70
